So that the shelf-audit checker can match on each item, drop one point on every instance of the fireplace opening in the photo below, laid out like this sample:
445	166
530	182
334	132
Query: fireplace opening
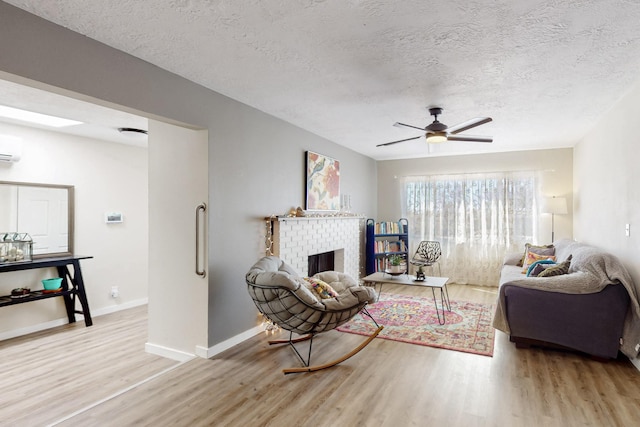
321	262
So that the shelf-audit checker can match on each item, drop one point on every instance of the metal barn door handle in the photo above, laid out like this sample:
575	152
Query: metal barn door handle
200	209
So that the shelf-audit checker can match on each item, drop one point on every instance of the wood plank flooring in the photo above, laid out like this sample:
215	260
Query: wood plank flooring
387	384
48	375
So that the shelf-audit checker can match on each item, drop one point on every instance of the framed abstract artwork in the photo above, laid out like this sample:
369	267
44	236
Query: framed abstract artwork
323	183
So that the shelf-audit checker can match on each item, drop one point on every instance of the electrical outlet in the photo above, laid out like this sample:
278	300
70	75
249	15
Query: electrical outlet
115	292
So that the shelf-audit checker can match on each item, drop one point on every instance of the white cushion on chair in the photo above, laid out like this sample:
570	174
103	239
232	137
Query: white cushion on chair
349	290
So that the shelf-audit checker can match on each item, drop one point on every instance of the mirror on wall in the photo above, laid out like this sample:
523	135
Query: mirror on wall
44	211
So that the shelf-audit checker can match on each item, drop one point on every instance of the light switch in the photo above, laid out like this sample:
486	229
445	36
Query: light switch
627	230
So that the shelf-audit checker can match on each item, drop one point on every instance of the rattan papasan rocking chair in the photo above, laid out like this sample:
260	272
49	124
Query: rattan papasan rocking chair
288	300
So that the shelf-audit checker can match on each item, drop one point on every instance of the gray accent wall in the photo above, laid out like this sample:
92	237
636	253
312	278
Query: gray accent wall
256	161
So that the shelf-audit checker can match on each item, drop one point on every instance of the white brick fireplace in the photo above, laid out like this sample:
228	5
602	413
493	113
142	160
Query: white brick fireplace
295	239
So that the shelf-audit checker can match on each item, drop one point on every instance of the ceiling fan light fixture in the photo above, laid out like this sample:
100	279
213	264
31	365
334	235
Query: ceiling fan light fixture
436	137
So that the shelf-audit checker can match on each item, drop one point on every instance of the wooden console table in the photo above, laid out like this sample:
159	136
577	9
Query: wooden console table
69	293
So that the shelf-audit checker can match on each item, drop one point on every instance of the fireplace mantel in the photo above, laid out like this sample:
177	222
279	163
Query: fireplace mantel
313	218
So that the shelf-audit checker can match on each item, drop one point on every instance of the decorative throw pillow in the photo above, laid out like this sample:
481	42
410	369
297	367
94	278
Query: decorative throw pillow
533	257
562	268
535	268
536	249
539	268
322	289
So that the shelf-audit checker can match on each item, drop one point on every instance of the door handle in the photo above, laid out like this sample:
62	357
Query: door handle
201	210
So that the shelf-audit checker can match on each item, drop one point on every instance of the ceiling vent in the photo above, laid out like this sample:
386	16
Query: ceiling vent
10	149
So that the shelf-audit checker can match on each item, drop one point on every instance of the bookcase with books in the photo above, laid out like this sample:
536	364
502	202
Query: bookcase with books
383	240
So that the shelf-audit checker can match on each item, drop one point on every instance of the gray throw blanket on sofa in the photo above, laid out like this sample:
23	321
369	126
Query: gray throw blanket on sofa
591	270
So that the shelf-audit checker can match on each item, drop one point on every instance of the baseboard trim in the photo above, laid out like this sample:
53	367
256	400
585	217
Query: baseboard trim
169	353
64	321
227	344
200	351
118	307
33	328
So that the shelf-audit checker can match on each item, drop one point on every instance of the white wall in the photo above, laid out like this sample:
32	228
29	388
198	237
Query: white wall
107	177
556	179
606	176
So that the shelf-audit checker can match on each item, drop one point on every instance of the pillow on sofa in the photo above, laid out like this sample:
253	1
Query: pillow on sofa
533	257
538	266
536	249
539	269
562	268
322	289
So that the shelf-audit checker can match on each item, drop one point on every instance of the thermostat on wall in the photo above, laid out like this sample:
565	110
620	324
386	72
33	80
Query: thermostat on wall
113	217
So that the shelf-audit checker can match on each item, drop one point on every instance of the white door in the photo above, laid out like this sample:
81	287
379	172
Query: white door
43	213
178	294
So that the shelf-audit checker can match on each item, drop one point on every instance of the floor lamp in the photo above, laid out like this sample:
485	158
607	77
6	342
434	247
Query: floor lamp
555	206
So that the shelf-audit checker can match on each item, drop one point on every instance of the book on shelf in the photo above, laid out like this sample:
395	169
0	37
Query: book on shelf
383	246
390	227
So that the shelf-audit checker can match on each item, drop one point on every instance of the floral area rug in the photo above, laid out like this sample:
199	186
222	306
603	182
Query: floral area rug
413	320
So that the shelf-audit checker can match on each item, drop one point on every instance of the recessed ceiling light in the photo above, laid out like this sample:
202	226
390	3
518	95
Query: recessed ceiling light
37	118
133	132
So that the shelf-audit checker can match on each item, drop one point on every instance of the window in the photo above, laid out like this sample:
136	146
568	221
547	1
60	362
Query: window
477	218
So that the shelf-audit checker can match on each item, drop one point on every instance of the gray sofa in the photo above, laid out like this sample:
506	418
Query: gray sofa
592	309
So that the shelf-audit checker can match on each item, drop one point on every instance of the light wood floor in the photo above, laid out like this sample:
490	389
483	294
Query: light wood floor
387	384
50	374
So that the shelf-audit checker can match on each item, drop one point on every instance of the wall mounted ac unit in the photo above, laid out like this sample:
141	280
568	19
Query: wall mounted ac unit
10	149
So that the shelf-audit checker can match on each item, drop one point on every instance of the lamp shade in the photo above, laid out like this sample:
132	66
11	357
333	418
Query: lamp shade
555	205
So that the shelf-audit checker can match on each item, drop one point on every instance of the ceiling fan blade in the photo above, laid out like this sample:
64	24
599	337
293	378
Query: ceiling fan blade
395	142
469	138
398	124
461	127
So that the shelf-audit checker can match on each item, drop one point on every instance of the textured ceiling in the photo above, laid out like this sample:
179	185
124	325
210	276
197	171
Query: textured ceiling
346	70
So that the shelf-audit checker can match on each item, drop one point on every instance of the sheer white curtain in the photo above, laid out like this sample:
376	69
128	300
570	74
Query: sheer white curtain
477	218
